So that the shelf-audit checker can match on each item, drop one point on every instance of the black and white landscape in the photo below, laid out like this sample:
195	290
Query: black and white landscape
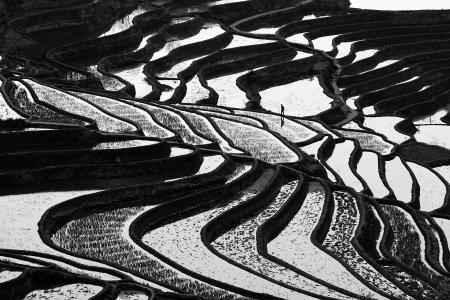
229	149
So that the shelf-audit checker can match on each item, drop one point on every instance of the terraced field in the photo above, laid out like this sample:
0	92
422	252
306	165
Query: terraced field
233	149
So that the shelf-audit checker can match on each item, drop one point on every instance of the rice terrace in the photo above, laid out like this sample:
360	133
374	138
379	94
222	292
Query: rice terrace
224	149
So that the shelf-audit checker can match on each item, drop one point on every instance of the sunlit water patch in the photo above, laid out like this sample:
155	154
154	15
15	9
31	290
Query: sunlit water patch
436	135
195	91
268	30
298	38
400	4
208	31
136	77
324	43
399	179
240	41
344	49
368	169
127	21
300	98
360	55
229	93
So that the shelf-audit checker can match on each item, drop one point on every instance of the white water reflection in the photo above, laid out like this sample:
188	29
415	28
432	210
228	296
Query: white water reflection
208	31
313	148
437	135
364	54
220	2
298	38
136	77
378	66
401	4
368	169
173	21
301	55
240	41
170	86
229	93
300	98
408	80
126	22
6	112
399	179
344	49
386	63
324	43
177	68
272	30
311	17
195	91
351	102
444	171
144	40
432	189
386	126
339	162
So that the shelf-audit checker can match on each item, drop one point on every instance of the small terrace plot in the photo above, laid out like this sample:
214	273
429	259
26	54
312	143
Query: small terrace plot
8	275
174	122
291	130
260	143
209	30
237	118
25	101
386	127
433	135
229	93
368	141
399	179
128	112
73	291
74	105
195	91
123	144
6	112
340	162
432	189
311	102
368	168
203	124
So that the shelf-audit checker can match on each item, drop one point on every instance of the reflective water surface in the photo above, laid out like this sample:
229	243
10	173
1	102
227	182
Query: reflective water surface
401	4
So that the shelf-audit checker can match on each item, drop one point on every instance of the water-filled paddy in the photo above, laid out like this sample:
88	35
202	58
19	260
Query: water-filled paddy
400	4
300	98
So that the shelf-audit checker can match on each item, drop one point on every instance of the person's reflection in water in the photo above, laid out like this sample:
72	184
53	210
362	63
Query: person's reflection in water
282	115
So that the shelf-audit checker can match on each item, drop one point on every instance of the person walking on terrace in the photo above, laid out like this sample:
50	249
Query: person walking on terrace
282	115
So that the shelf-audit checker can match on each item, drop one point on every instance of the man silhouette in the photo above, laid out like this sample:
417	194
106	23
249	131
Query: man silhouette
282	115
